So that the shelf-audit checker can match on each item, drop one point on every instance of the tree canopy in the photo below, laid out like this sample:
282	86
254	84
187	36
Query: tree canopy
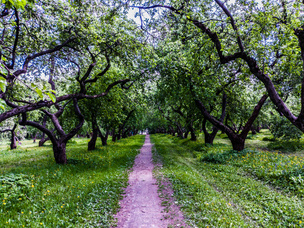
178	67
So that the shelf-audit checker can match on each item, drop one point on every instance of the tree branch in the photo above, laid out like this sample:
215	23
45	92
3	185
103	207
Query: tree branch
25	122
227	12
4	12
34	56
253	116
81	121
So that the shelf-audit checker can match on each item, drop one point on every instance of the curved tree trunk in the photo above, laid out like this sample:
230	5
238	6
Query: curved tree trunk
237	140
209	137
43	140
59	141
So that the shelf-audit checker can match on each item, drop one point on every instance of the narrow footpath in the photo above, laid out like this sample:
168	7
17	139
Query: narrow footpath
141	206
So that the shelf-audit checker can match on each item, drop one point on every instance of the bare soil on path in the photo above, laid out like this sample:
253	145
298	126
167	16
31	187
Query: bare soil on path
141	206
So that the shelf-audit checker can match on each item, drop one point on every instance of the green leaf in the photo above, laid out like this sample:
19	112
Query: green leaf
2	79
52	97
39	93
2	104
2	84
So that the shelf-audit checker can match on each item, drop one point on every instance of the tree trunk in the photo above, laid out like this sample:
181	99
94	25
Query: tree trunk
238	143
43	140
13	141
104	138
92	142
125	133
59	149
193	136
209	137
113	135
186	134
258	129
192	132
104	141
237	140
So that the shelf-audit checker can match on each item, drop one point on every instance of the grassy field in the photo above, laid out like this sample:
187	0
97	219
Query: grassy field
36	192
217	187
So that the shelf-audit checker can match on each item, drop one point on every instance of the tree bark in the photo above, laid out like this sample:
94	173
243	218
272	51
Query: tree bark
43	140
238	143
13	144
113	135
104	138
92	142
193	136
59	149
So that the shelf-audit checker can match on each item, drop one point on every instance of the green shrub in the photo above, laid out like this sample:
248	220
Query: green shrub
282	128
222	158
268	139
286	146
13	187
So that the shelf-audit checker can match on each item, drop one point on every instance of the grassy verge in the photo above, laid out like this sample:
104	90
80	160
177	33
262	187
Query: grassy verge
36	192
226	194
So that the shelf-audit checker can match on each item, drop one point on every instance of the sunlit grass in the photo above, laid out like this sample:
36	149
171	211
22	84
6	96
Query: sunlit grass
233	189
83	193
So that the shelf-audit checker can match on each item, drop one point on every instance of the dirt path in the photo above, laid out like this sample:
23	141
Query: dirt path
141	206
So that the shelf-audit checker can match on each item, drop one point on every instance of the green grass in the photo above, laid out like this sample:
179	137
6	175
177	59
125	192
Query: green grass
36	192
242	191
